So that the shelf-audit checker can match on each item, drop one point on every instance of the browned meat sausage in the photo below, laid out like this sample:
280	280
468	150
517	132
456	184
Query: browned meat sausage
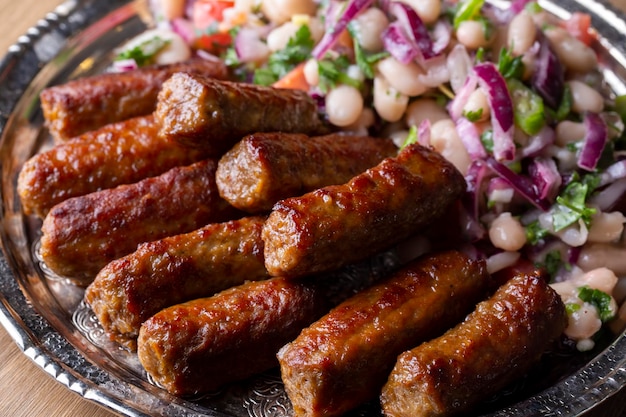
159	274
344	359
118	153
497	343
89	103
82	234
215	115
266	167
203	344
341	224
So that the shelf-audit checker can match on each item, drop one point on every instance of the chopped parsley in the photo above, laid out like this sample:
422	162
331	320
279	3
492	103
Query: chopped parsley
333	72
279	63
467	10
365	60
144	53
510	66
599	299
571	204
535	233
411	138
473	115
487	140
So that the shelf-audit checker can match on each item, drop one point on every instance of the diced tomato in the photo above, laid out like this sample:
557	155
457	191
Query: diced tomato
579	26
215	42
294	80
207	13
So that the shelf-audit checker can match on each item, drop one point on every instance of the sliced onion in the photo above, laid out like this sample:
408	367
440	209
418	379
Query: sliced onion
596	136
539	142
414	27
442	34
613	173
521	184
459	66
476	175
249	47
184	28
124	65
545	177
501	260
549	76
423	133
435	72
455	108
398	43
492	82
607	199
353	8
468	132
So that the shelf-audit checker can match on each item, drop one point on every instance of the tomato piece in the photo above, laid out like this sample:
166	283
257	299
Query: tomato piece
215	42
579	26
207	13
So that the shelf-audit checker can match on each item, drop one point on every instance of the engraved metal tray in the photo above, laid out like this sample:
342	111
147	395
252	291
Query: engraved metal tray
48	320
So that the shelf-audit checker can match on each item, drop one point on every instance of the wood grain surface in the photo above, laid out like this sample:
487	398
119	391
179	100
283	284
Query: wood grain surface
25	389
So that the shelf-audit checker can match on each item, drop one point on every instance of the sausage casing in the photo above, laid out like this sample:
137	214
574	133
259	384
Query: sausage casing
119	153
264	168
89	103
497	343
214	114
341	224
169	271
82	234
203	344
344	359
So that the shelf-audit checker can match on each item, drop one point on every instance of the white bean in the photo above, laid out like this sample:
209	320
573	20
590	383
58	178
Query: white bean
390	104
567	132
478	104
281	11
362	124
344	105
575	55
445	139
521	33
583	323
369	26
501	260
507	233
597	255
311	72
427	10
606	227
278	38
602	279
424	109
585	98
471	33
402	77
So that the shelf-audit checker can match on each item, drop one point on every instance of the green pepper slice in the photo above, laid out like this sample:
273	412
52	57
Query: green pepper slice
528	108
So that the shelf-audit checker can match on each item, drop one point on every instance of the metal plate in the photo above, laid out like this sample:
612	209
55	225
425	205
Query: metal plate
47	319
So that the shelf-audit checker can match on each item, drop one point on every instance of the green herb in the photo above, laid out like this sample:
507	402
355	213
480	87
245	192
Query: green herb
279	63
473	115
144	53
510	66
467	10
599	299
480	55
533	7
565	106
571	308
528	108
487	140
411	138
553	262
571	206
535	233
333	72
365	60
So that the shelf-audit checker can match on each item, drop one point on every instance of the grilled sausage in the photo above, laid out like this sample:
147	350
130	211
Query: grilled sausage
118	153
89	103
213	114
344	359
159	274
264	168
496	343
82	234
203	344
341	224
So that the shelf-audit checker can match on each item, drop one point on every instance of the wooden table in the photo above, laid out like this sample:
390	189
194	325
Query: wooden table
25	389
